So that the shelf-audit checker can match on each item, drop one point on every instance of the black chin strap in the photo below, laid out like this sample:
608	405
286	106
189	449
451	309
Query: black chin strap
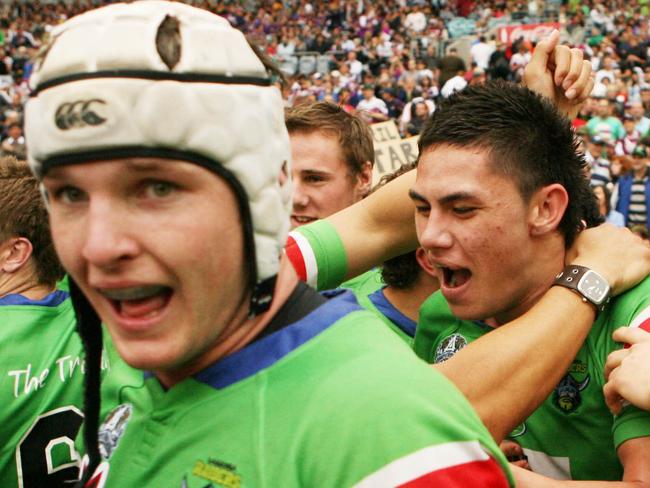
90	329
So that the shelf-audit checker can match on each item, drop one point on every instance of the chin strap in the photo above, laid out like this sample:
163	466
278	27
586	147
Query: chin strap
262	296
90	329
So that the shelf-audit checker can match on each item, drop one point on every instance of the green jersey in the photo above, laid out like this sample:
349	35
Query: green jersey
572	435
369	290
41	390
303	406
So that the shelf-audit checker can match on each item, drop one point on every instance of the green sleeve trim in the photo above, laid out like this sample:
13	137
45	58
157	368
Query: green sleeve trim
632	423
331	259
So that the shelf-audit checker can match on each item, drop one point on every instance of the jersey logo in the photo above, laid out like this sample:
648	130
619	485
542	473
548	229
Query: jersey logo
219	472
567	393
113	428
448	347
519	430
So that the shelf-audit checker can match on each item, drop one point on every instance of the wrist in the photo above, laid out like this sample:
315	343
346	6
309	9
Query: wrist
591	286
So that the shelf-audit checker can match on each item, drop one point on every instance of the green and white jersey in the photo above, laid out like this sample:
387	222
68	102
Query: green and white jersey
572	435
41	390
331	400
369	290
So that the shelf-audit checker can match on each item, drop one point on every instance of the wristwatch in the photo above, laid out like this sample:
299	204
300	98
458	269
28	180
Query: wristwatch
591	286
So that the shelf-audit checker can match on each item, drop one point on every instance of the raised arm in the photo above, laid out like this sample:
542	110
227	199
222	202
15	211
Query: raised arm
379	227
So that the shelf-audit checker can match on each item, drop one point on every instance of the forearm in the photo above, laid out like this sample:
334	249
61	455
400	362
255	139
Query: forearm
503	374
528	479
378	227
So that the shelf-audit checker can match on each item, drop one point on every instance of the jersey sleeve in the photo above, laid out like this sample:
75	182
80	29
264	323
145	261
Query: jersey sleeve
317	254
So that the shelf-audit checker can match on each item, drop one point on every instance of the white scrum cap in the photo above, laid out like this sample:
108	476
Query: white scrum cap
104	91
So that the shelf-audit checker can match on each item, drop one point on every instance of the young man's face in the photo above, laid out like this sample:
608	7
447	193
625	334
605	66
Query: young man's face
473	224
157	247
322	183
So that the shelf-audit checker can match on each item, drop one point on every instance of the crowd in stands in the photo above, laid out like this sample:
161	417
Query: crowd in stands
394	59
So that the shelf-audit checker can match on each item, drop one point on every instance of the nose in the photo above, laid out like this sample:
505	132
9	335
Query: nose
435	235
300	197
108	240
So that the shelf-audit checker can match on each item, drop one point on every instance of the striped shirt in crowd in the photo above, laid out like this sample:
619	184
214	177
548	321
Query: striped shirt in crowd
638	211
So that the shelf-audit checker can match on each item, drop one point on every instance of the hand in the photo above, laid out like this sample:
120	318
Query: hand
628	371
514	453
621	257
559	74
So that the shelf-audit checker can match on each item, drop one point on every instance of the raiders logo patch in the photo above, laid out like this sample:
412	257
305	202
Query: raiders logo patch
449	346
113	428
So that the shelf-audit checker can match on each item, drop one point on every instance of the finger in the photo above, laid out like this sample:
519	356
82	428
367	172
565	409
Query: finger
612	398
575	68
630	335
580	83
522	463
562	59
545	48
614	360
586	91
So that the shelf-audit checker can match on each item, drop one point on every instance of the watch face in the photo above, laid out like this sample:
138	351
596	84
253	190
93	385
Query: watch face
593	287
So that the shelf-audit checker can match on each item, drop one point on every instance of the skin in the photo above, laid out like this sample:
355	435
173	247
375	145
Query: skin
468	216
18	274
136	222
628	370
322	183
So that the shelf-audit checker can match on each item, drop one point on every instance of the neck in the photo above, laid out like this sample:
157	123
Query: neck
241	330
409	300
27	287
641	172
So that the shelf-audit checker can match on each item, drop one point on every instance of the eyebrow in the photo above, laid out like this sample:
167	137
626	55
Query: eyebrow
454	197
416	196
446	200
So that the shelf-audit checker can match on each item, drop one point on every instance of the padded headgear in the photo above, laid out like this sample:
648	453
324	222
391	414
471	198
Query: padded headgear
104	91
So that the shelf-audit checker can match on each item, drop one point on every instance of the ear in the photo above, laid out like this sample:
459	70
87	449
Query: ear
546	209
15	254
364	179
423	261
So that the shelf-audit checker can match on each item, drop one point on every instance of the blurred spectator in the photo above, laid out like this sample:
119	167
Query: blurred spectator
632	137
481	53
14	143
370	108
603	195
633	190
604	125
450	66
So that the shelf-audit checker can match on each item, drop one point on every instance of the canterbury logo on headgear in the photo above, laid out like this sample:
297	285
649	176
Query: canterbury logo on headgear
80	113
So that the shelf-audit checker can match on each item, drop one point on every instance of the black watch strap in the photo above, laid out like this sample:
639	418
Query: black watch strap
571	276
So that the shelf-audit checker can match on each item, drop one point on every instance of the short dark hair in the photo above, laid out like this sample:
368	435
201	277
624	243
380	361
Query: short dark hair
352	133
23	214
401	271
528	140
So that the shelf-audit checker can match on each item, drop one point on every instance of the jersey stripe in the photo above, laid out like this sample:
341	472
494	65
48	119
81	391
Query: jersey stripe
642	320
424	467
301	255
479	473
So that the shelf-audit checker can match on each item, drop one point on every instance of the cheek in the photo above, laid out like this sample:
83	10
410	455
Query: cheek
67	246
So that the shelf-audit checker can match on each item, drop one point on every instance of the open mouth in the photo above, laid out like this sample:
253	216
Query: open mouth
139	302
302	219
454	278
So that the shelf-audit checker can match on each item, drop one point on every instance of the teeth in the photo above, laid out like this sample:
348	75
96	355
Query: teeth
134	293
452	279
